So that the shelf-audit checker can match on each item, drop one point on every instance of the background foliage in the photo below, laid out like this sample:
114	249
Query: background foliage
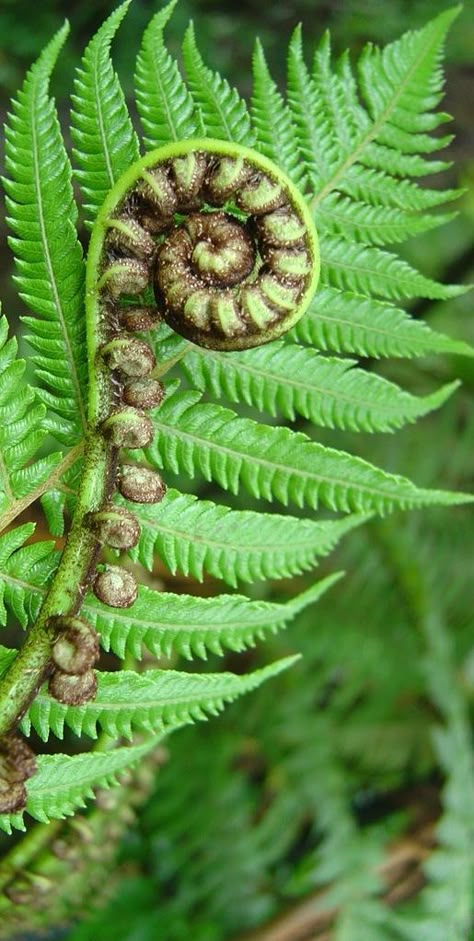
310	785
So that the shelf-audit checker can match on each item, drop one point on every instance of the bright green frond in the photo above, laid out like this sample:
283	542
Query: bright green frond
22	427
223	112
367	270
347	323
271	118
196	536
62	784
42	216
163	100
104	140
275	463
156	701
24	571
192	626
291	380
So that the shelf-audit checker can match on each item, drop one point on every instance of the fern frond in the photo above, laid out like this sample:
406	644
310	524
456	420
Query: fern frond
156	701
287	379
105	143
196	536
275	463
24	570
367	270
374	225
42	215
62	784
163	100
22	427
347	323
274	129
192	626
223	112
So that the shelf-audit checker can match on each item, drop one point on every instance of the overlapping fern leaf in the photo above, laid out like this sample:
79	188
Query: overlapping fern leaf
354	140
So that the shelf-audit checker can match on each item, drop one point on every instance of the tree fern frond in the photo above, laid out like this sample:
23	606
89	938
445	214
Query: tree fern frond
193	626
196	536
102	132
223	113
63	784
348	323
383	126
275	463
369	270
49	260
275	132
24	570
22	427
156	701
374	225
287	379
376	188
164	103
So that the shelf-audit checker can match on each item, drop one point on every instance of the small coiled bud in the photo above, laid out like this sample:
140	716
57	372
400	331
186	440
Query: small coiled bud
137	319
127	234
18	756
77	647
73	690
143	393
128	428
116	587
28	888
126	276
141	485
115	527
131	356
12	796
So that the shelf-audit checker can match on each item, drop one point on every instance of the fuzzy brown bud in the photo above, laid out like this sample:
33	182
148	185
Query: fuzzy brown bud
12	796
128	235
133	357
16	754
116	527
141	485
77	647
128	428
73	690
136	319
126	276
143	393
115	587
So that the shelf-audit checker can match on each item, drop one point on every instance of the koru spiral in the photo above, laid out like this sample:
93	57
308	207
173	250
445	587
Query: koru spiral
214	239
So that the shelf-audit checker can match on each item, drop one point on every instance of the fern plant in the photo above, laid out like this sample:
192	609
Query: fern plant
207	246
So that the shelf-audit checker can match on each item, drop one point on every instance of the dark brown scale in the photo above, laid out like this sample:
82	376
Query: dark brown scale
188	174
143	393
73	690
138	319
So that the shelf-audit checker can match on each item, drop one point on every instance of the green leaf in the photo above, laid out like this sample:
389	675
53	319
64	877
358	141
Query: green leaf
283	378
223	113
102	132
192	626
275	132
348	323
374	225
156	701
163	100
24	570
22	427
197	536
275	463
42	215
368	270
62	784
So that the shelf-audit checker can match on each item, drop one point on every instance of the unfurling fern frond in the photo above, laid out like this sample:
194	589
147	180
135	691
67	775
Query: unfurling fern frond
214	239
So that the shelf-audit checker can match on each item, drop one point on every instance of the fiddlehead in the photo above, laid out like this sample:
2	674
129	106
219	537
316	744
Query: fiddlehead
229	248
